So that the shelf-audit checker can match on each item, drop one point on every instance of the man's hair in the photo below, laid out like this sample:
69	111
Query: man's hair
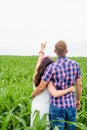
61	48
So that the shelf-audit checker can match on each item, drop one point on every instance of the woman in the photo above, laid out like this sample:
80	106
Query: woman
41	101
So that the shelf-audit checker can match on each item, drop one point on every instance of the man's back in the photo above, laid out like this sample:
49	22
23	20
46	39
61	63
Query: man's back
63	73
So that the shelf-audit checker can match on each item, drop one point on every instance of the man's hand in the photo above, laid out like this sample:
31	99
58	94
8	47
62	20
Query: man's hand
32	95
40	88
78	105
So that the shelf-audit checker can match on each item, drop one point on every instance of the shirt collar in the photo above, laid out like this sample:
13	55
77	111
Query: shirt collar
62	57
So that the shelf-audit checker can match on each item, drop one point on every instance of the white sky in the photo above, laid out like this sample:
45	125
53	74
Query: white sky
24	24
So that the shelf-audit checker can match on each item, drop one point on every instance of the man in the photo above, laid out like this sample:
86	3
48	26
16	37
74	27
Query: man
63	73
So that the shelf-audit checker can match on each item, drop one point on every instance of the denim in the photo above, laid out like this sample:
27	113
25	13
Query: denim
62	114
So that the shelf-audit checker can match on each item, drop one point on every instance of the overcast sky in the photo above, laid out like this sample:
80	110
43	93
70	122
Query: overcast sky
24	24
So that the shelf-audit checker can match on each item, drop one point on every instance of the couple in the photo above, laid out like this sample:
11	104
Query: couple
59	79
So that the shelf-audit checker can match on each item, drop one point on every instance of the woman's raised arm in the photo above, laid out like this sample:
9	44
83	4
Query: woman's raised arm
41	55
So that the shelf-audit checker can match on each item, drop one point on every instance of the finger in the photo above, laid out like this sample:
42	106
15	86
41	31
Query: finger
45	42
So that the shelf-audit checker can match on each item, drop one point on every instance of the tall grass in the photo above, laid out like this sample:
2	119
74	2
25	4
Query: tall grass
16	77
15	88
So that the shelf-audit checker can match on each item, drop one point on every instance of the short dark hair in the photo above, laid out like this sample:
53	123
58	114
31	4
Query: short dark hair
61	48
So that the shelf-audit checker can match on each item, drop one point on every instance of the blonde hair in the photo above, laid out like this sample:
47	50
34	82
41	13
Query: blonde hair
61	48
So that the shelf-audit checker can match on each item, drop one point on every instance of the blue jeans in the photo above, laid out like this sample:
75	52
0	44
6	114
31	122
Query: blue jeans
67	114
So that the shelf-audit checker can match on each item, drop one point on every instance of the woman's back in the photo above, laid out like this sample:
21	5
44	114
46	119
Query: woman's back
41	103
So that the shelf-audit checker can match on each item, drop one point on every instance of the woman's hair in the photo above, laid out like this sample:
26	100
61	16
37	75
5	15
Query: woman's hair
45	62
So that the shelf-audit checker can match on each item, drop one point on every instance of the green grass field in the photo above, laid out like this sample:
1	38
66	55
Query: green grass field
16	77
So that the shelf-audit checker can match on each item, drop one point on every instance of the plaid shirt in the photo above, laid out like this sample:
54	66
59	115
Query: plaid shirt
63	74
